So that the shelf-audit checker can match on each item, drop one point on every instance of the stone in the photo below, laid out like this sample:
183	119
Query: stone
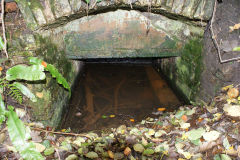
75	5
61	8
39	16
27	13
189	8
177	6
47	11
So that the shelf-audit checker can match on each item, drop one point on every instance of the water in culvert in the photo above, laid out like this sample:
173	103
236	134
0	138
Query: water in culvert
108	95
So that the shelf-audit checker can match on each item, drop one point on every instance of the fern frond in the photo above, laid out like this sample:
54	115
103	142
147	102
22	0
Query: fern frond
15	93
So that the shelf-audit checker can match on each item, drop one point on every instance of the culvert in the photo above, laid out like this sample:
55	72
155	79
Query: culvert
112	92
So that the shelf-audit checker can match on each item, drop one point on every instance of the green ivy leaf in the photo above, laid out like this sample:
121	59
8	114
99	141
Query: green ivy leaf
29	73
1	43
225	157
2	110
19	135
217	157
236	49
55	74
25	91
34	60
49	151
148	151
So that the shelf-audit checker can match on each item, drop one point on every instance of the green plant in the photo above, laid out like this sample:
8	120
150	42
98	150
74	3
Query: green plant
10	85
18	133
34	72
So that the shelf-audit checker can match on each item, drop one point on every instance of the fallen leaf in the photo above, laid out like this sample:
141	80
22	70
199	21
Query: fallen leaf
148	151
91	155
20	112
233	93
72	157
226	143
39	94
161	109
79	141
39	147
184	118
118	156
127	151
110	154
138	147
195	133
232	110
159	133
49	151
112	116
235	27
36	136
211	136
225	157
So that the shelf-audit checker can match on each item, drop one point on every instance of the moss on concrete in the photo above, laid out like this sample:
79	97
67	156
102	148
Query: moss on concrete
184	72
52	97
190	67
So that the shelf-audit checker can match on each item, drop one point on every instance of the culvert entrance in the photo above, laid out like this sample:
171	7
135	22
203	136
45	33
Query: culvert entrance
111	93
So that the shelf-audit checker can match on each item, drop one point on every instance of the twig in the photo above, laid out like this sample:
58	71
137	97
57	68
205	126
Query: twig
63	133
3	29
214	38
59	158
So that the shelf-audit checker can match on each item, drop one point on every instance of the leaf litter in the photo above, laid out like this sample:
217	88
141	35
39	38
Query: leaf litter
210	131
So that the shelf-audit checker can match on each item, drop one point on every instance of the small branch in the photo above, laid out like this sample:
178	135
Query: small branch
3	29
63	133
215	41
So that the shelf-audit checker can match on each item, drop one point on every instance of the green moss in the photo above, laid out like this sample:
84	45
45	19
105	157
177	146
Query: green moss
27	13
48	109
35	4
190	67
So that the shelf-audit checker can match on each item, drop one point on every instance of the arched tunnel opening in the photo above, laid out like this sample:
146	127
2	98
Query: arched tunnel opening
113	92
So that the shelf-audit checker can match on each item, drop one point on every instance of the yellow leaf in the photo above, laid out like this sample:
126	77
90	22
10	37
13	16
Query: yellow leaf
235	27
187	155
112	116
165	152
161	109
184	136
227	87
132	120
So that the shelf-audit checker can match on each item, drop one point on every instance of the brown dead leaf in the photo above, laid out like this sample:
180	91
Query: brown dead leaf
235	27
208	145
110	154
127	151
36	136
39	94
233	93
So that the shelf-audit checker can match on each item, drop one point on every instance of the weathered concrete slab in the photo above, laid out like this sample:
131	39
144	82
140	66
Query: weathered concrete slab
131	34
